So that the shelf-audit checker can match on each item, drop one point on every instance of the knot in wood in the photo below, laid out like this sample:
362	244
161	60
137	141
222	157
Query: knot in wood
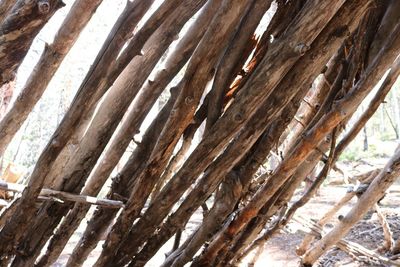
301	48
44	6
173	112
189	100
238	117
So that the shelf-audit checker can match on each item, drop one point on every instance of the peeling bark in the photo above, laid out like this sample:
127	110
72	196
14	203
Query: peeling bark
103	125
54	54
122	185
218	135
17	31
198	73
282	173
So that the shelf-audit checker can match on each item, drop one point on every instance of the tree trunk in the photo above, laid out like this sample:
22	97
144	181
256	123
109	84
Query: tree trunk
83	103
5	7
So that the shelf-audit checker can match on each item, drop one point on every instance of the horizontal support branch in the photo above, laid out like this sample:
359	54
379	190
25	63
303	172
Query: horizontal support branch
49	194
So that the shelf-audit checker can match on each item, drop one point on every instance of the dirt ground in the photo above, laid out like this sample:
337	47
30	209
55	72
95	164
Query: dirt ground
280	250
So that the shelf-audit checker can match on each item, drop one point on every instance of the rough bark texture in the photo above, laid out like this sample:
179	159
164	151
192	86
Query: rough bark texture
52	58
374	192
242	104
132	120
234	53
5	7
308	110
196	77
122	185
83	103
220	133
236	182
95	78
340	110
19	28
103	125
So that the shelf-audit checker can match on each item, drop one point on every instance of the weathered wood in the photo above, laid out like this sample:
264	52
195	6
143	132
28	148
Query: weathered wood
17	31
234	53
105	121
146	98
340	110
286	192
373	106
388	242
390	17
54	54
194	165
236	182
5	215
348	72
357	55
198	73
84	102
136	114
97	76
374	192
63	196
242	172
363	179
308	239
5	7
352	133
245	120
352	248
121	187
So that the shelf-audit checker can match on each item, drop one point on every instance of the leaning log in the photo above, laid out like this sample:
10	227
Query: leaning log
353	249
5	7
121	186
199	71
225	128
17	31
50	61
339	111
104	123
374	192
132	121
83	103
